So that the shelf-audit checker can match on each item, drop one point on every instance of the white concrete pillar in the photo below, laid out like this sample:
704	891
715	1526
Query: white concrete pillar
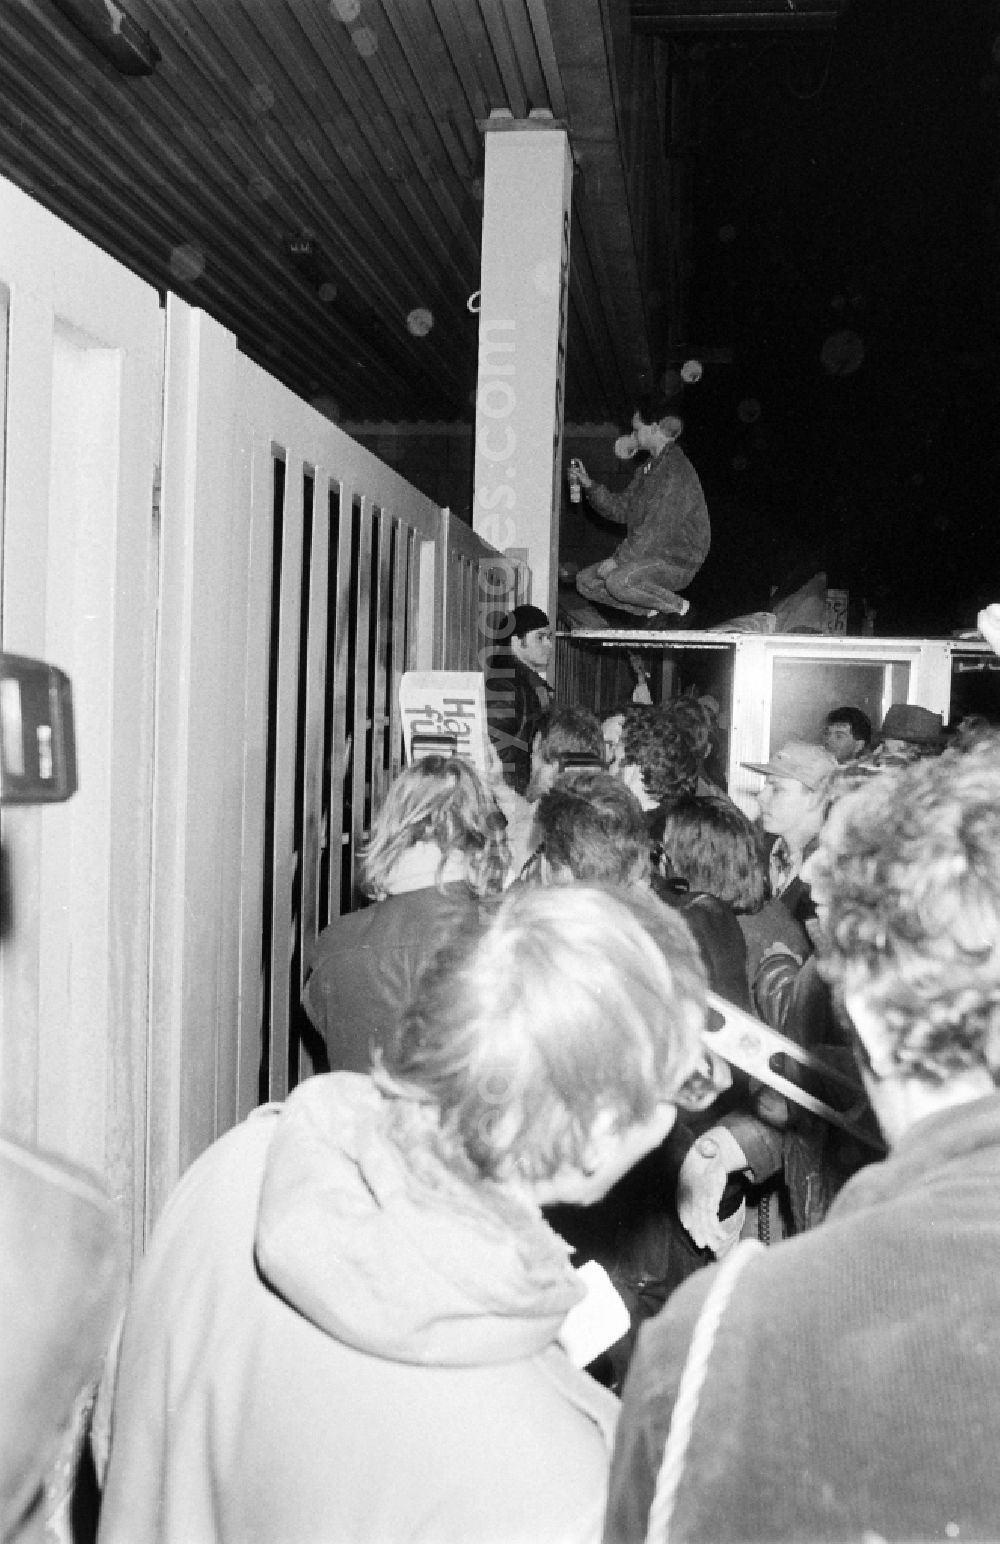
522	345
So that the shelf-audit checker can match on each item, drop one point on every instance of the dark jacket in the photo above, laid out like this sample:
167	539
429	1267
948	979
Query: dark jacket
850	1390
772	924
635	1232
366	965
516	698
718	935
817	1157
797	896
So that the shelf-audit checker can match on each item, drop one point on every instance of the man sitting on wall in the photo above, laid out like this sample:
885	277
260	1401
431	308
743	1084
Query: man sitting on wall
843	1386
669	534
346	1326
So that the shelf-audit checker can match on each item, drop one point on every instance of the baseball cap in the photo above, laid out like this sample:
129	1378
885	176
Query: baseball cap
808	764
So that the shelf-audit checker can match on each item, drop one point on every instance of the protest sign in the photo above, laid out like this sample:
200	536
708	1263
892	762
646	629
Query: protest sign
444	712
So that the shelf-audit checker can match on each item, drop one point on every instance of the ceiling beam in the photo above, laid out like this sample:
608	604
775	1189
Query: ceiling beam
674	17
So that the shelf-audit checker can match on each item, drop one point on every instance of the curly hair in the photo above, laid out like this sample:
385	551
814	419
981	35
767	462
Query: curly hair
908	871
712	844
440	800
655	743
541	1014
696	721
593	828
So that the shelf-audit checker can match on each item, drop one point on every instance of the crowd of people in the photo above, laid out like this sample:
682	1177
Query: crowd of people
352	1320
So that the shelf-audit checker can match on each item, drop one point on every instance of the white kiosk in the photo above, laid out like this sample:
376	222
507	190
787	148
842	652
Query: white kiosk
774	687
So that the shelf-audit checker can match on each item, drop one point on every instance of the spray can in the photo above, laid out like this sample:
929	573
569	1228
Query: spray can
575	467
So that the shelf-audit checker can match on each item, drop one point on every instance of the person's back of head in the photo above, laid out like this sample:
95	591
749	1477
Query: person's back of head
696	719
563	732
714	847
657	759
566	731
592	829
908	878
442	803
562	1014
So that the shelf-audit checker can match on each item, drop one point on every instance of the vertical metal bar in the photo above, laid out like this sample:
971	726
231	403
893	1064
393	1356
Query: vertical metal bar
402	539
382	602
361	727
341	741
305	844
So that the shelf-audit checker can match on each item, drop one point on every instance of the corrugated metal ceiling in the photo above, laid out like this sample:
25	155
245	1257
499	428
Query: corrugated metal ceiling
310	172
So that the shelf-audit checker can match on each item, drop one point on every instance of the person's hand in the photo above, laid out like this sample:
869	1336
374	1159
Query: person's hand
770	1106
988	622
642	693
700	1184
580	474
494	767
777	950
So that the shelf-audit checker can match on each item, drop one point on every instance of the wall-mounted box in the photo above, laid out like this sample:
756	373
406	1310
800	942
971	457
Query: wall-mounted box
772	688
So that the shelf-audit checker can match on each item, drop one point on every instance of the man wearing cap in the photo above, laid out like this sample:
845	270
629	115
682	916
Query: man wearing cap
517	694
792	804
909	733
668	528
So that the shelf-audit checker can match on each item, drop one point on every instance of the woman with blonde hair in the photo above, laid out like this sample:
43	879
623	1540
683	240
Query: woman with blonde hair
435	849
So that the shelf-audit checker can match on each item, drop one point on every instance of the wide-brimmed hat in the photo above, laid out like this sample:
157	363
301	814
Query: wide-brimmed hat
917	726
808	764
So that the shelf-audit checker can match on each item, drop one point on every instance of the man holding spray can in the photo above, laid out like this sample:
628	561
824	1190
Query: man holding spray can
664	509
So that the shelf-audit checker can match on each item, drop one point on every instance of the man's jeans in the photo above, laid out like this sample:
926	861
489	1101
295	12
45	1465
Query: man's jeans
639	586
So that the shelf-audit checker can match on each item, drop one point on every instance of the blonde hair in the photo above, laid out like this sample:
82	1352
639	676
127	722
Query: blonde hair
442	801
908	868
558	1007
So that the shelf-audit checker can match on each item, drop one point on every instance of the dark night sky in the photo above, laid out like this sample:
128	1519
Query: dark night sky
850	183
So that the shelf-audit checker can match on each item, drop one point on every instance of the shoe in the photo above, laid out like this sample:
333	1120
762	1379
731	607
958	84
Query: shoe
665	621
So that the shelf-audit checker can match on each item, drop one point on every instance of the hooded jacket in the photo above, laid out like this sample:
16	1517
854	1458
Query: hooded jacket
334	1337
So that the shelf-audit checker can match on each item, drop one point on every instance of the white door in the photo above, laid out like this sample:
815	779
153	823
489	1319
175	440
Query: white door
298	581
81	357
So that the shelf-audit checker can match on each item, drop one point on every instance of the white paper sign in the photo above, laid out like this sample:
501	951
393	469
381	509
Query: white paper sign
598	1321
447	706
